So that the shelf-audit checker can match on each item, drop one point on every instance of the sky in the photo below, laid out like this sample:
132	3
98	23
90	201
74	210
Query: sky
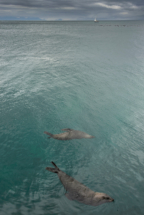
71	10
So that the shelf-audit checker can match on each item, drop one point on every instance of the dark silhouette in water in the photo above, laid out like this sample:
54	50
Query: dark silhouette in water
77	191
69	135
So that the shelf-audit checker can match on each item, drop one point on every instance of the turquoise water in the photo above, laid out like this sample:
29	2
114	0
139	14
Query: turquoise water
81	75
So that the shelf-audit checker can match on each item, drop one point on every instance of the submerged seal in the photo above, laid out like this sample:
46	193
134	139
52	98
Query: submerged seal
77	191
69	135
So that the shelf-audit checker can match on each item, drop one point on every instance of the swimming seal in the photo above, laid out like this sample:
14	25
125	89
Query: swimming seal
69	135
77	191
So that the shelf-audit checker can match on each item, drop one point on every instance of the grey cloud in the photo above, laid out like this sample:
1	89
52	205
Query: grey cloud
75	9
37	3
74	3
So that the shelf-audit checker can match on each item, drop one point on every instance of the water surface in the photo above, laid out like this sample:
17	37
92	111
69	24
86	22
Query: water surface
81	75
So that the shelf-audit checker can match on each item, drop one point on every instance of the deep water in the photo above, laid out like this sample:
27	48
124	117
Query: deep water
81	75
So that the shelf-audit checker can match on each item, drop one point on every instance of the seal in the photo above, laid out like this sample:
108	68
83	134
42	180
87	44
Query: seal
69	135
79	192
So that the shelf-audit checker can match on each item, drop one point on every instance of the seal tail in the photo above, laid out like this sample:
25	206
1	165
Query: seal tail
51	135
54	170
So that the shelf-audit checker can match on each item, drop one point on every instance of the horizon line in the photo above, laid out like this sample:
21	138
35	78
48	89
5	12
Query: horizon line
71	20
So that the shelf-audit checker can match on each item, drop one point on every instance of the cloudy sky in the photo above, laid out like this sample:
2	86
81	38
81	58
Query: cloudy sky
71	9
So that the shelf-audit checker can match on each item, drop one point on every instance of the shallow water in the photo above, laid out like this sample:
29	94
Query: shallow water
82	75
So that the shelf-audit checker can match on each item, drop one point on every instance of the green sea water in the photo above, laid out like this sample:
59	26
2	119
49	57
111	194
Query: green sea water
81	75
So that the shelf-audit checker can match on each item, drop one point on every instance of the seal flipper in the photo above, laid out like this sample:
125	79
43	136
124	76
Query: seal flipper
70	196
51	135
67	129
54	170
55	165
75	196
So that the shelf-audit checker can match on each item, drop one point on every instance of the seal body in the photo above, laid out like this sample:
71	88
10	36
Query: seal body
77	191
69	135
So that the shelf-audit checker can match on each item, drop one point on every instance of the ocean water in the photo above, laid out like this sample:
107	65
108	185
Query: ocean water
81	75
